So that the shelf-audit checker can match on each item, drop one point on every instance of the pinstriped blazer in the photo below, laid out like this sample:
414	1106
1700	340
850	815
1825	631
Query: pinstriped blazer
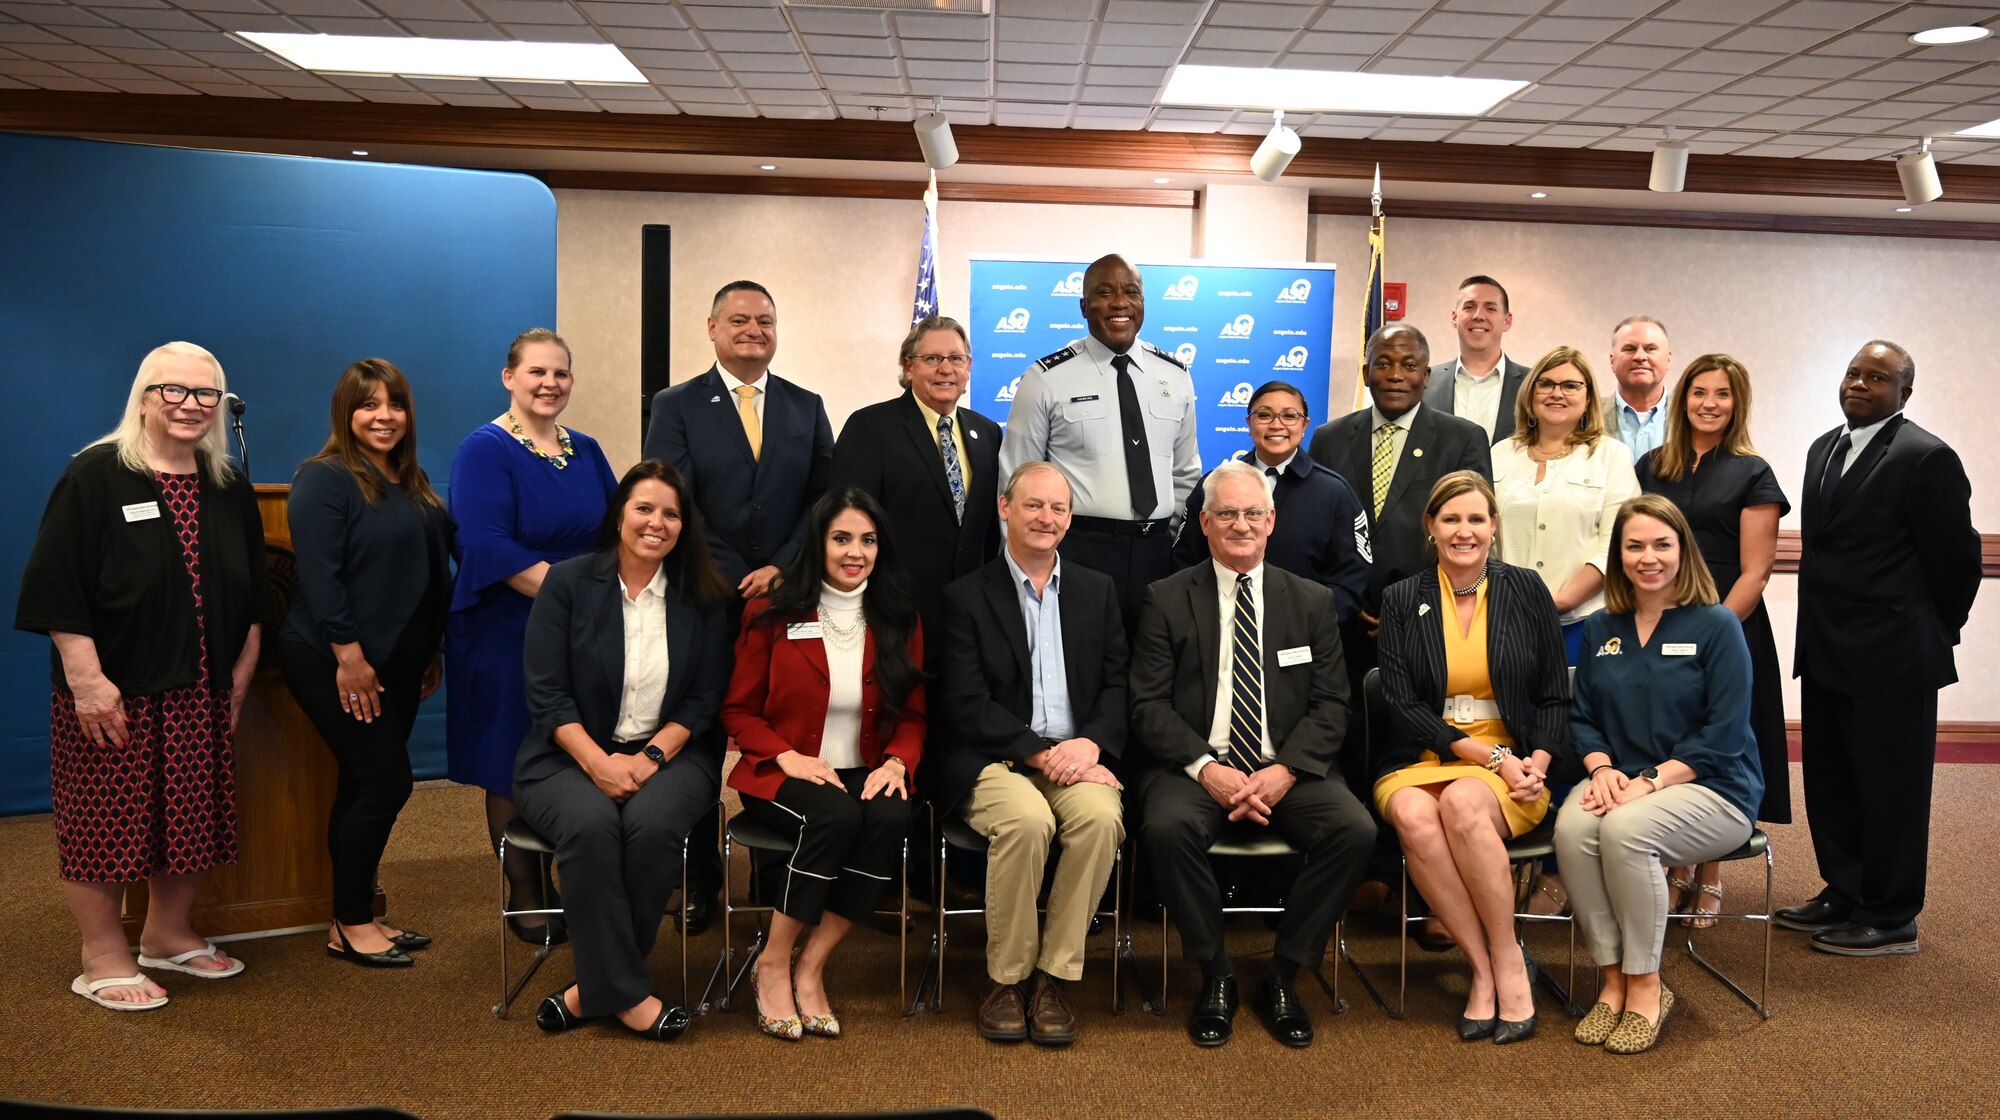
1524	652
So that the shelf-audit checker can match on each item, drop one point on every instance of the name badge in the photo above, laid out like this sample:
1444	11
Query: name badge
1677	649
1080	400
142	511
1297	655
799	631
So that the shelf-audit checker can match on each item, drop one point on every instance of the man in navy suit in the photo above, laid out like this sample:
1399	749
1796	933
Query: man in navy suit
756	449
1888	567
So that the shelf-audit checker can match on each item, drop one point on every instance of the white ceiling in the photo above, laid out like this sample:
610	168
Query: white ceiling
1829	79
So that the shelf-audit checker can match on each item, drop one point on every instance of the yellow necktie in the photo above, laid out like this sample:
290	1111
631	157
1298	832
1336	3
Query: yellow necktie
1383	465
753	429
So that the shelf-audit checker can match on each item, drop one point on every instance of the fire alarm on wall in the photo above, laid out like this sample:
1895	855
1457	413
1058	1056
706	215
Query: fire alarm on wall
1395	297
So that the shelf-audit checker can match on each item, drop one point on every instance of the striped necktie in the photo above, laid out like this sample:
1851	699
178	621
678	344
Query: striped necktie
1382	464
953	476
1246	684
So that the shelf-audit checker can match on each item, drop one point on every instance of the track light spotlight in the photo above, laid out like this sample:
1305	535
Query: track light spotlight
1670	165
1276	152
934	137
1919	173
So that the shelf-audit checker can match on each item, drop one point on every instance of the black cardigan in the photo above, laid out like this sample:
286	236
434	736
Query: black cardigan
1524	653
123	584
359	565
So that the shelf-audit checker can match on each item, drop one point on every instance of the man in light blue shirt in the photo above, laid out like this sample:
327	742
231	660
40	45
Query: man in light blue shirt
1641	359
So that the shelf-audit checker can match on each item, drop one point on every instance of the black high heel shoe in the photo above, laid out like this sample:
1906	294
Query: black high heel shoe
553	1015
1508	1030
410	939
672	1023
1472	1030
393	957
552	932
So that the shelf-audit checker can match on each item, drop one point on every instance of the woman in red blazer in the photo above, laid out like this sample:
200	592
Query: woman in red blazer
827	706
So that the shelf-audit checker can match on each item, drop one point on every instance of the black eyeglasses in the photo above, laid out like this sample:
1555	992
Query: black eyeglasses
1289	416
178	394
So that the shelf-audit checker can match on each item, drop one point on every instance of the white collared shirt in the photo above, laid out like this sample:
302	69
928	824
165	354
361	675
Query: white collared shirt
645	689
762	385
1478	398
1397	442
1225	669
1859	439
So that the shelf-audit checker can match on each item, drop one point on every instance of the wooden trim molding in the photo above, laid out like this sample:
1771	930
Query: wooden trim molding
161	115
1788	553
1662	219
862	188
1963	731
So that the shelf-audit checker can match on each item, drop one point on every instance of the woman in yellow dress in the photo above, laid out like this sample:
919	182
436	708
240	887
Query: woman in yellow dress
1477	688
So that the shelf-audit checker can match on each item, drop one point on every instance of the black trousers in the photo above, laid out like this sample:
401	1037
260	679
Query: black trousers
1132	562
846	849
1867	767
372	761
1319	817
619	864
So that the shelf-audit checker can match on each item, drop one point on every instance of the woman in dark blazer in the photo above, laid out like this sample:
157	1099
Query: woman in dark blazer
627	650
360	646
1474	673
827	708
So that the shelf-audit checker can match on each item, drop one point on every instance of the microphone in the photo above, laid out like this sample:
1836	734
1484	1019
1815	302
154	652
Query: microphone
235	403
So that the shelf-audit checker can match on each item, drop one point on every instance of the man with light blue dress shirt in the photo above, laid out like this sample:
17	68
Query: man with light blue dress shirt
1641	361
1031	687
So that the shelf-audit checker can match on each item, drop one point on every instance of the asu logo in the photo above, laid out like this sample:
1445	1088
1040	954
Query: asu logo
1240	327
1299	291
1071	285
1184	354
1015	322
1008	390
1238	396
1293	359
1184	288
1612	647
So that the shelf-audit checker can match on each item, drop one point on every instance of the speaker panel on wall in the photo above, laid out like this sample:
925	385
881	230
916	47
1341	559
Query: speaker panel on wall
656	289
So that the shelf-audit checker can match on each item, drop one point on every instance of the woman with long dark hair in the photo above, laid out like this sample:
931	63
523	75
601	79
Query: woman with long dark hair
361	645
625	663
827	707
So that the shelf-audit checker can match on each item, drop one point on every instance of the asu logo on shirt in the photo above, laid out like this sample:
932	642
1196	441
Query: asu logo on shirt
1612	647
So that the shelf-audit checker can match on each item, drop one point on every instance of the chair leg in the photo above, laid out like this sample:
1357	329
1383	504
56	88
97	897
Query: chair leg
937	939
684	925
1117	928
1758	1004
728	909
500	1009
903	938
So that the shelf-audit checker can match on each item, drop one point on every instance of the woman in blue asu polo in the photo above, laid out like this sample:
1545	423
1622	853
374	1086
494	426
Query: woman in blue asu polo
526	492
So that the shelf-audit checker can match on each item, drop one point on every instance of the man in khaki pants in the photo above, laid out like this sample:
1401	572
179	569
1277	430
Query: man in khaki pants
1031	692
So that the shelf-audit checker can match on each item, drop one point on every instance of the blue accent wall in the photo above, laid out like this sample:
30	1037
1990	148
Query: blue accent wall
288	270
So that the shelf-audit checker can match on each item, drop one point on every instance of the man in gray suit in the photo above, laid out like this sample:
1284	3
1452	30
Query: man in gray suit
1481	384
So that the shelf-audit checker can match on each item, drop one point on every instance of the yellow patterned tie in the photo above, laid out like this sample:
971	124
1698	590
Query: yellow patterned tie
753	429
1383	463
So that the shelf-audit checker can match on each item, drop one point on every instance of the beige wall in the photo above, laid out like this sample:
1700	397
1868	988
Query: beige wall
1792	307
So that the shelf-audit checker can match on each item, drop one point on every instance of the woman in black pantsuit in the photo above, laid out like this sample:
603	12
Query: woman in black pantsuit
360	645
627	653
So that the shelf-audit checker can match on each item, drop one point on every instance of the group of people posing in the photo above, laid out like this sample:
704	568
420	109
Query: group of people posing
1043	632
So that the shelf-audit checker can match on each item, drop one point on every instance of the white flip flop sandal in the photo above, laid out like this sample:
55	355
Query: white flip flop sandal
88	989
178	963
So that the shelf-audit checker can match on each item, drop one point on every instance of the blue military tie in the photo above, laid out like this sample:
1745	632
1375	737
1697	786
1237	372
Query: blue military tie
1246	684
952	472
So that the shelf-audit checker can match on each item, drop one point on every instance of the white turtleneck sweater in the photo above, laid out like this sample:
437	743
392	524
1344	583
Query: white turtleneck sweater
840	739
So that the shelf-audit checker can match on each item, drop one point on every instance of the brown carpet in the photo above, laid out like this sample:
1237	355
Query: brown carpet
1896	1036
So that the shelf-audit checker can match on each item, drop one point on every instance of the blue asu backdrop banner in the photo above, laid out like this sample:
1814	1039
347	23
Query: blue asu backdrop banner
1234	326
288	270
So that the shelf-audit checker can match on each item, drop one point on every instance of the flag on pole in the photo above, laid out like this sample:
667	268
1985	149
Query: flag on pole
1371	318
926	303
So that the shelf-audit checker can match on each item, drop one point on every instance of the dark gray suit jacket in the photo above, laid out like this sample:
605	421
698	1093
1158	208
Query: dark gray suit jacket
1442	393
1174	668
575	665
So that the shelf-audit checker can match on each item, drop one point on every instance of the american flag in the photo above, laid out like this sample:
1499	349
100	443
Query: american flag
926	303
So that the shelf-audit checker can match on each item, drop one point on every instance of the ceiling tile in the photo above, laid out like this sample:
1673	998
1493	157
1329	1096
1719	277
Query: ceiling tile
62	15
776	42
1558	29
1024	72
1865	44
149	19
1814	66
1439	48
553	33
1631	59
853	46
1918	17
1775	87
1917	70
1647	99
1552	54
1777	40
632	15
657	41
218	89
1510	71
1377	20
22	33
1720	11
1343	42
709	78
787	96
951	88
1243	39
442	30
840	23
762	17
1674	33
917	68
1603	77
110	36
1042	30
1237	13
1152	11
1344	63
1728	62
940	27
954	50
1067	53
864	83
401	9
831	65
1558	95
778	81
1209	57
1119	55
1733	103
799	112
764	64
1126	75
1834	15
1031	91
1468	25
663	108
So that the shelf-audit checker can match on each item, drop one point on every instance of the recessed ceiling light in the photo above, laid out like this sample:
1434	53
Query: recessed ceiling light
450	58
1991	130
767	167
1945	36
1163	180
1335	91
360	152
1539	194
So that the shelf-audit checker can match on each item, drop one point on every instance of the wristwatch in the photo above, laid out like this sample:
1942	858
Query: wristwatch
658	756
1652	774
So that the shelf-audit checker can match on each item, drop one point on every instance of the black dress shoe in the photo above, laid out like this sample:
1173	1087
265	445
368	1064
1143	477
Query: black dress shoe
410	939
672	1023
1284	1016
700	914
1507	1030
392	957
1812	915
1867	941
553	1015
1214	1014
1472	1030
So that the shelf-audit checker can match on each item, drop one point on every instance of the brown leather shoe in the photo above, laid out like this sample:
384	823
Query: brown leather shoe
1004	1015
1051	1020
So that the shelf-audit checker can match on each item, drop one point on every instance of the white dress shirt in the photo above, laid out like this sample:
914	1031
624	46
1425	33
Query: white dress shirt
1225	669
1858	440
1397	442
1559	524
762	385
1478	398
645	659
840	736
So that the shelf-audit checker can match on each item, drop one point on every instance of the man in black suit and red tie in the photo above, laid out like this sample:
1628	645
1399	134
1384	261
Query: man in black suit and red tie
1887	573
1240	697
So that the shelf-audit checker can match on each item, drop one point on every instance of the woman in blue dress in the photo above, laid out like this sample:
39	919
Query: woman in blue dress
526	493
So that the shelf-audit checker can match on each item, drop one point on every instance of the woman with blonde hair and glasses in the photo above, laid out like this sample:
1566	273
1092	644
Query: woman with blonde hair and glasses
1478	695
148	576
1661	716
1732	500
1560	478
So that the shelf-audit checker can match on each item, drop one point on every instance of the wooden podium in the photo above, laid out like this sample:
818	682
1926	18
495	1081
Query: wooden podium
284	791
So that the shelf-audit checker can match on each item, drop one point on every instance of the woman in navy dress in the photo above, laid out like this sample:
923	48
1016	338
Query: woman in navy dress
1733	501
526	492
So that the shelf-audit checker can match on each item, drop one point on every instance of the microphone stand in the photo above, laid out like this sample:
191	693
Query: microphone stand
236	409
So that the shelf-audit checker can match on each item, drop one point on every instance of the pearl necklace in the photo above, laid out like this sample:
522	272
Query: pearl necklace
559	462
842	636
1474	589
